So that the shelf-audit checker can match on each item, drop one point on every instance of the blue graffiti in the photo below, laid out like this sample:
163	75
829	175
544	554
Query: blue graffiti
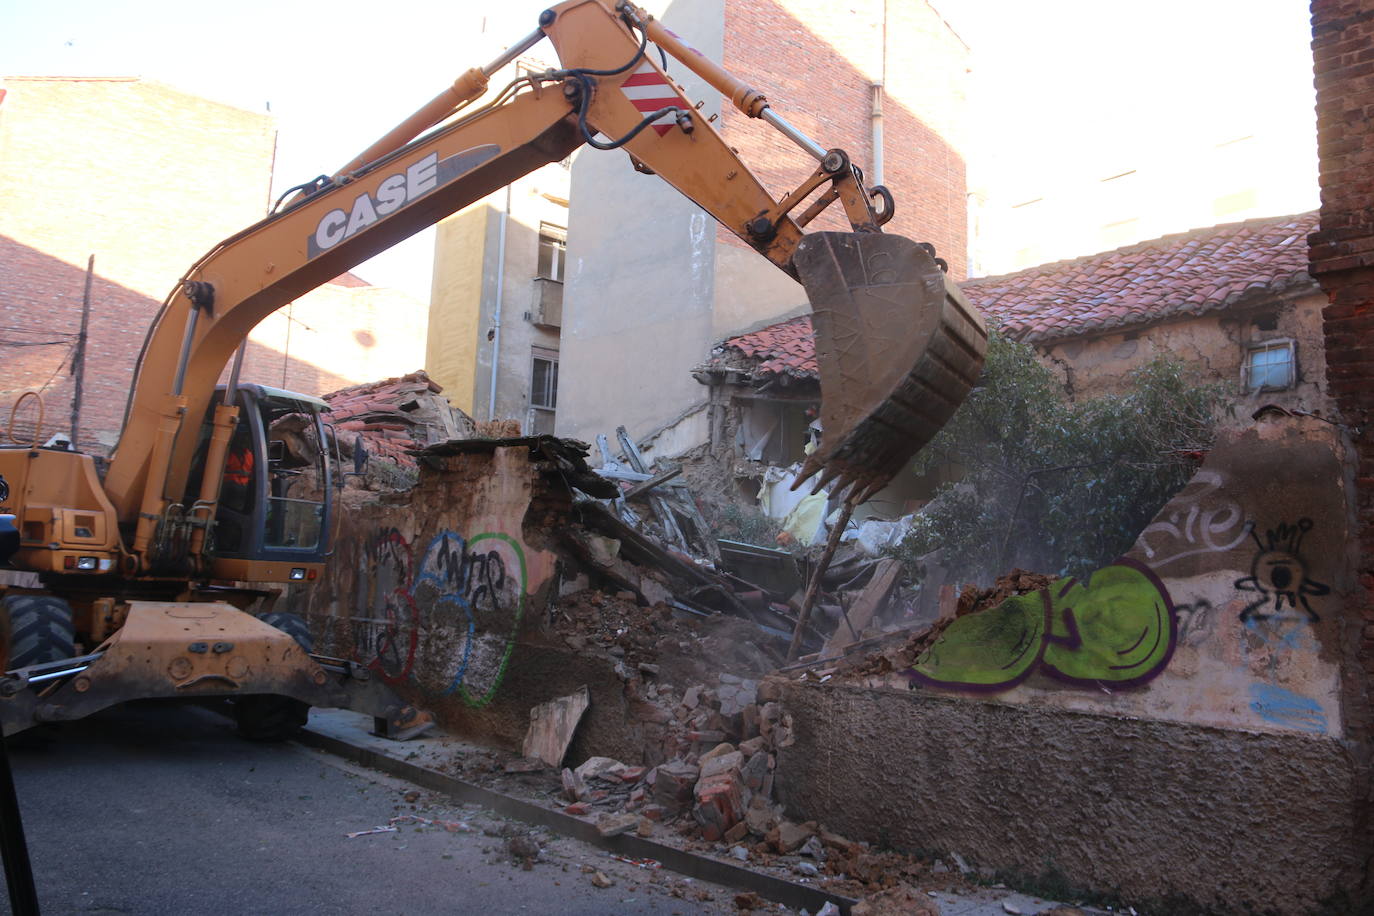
446	567
1288	709
472	576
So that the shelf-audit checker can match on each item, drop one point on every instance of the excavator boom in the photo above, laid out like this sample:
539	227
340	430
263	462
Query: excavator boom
898	346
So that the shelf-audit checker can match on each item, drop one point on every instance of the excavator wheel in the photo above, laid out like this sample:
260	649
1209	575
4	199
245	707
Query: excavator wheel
898	348
39	629
267	717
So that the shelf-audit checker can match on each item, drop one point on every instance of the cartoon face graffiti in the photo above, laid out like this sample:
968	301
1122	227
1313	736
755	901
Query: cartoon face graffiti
1278	573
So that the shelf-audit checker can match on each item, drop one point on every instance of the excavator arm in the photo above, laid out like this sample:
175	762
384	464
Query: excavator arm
898	346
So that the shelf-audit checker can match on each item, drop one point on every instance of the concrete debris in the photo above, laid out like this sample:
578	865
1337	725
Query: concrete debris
573	786
616	824
552	725
600	880
902	900
806	868
1009	908
523	849
788	837
602	768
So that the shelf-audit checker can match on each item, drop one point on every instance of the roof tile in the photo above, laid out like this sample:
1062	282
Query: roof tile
1187	273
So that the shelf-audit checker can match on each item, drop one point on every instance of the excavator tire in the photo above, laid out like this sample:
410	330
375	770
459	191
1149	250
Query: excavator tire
40	630
267	717
898	348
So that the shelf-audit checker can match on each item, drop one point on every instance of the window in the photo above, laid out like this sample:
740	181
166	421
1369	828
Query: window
553	244
1270	366
544	381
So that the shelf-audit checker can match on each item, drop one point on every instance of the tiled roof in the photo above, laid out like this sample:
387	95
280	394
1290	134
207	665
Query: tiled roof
392	416
1189	273
786	348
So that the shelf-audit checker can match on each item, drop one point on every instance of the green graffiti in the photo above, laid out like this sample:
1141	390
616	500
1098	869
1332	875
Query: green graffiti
1117	627
480	698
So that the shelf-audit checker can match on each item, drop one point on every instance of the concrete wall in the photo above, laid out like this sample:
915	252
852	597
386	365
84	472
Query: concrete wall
1215	344
1161	813
637	304
1220	639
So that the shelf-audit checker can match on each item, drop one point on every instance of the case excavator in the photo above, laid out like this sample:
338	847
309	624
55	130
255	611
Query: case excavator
147	572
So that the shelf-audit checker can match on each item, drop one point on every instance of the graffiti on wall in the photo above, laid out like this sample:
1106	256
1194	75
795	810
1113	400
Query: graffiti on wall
386	622
1200	523
476	590
467	595
1278	574
1285	708
1116	627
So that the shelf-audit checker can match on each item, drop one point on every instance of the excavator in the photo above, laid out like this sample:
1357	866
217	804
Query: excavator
147	574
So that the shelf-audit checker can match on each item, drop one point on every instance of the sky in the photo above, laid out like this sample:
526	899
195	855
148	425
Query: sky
1058	87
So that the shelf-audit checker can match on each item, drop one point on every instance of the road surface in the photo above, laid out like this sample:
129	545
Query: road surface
161	808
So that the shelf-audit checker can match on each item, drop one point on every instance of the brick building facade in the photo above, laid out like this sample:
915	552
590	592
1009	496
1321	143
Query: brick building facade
820	62
146	178
1342	258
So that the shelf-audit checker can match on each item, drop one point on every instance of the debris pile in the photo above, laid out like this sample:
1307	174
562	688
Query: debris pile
714	776
392	417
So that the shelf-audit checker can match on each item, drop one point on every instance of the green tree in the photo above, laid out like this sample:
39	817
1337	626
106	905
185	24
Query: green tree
1054	486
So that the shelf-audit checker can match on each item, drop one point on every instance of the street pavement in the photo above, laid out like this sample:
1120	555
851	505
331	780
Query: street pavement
161	808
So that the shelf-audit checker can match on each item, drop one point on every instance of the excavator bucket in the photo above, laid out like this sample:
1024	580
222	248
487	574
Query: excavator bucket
898	347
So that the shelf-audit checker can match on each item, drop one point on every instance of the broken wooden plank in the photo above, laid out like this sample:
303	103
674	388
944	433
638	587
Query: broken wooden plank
552	725
869	602
671	531
616	472
647	485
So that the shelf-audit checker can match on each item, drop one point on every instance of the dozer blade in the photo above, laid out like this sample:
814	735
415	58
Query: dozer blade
898	347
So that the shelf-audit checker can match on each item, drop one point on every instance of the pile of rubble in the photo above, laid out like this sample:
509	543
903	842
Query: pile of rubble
717	779
393	417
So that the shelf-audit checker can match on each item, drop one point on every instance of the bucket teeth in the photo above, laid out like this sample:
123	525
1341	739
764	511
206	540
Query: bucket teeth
898	348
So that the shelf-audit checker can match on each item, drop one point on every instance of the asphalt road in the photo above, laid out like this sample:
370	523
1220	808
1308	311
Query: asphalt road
163	809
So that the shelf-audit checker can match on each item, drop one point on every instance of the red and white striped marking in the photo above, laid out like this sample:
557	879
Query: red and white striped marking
649	90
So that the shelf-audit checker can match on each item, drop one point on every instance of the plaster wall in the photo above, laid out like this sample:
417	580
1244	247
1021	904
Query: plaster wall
1215	343
472	274
455	311
434	587
640	282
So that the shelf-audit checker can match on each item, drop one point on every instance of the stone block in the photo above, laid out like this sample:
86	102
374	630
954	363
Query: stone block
616	824
673	785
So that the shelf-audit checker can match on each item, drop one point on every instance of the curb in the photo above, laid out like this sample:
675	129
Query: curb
787	893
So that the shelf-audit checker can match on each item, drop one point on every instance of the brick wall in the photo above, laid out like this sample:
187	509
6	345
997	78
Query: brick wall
815	60
1342	258
147	178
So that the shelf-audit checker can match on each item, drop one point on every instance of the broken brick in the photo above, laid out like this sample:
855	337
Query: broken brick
714	766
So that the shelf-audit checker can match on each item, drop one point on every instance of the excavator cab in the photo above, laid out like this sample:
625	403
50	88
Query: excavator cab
275	507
